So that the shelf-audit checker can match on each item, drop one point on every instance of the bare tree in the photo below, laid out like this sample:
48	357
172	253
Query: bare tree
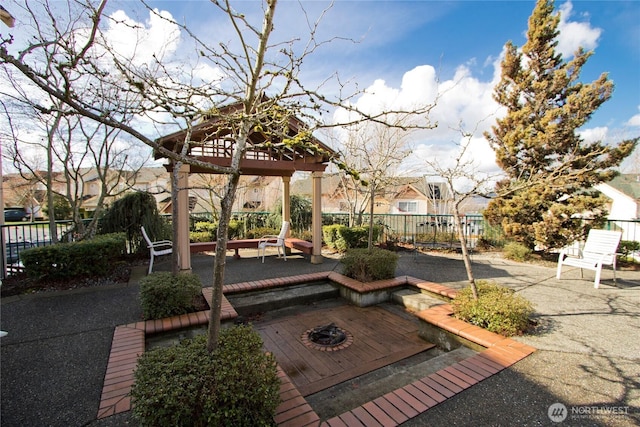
375	150
255	72
462	180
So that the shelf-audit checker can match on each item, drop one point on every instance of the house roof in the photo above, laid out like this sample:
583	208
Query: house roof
628	184
267	153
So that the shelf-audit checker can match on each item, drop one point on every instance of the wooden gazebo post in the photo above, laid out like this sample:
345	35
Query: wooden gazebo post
184	253
286	200
316	217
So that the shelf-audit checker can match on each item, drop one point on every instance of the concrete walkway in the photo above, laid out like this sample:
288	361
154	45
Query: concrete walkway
53	361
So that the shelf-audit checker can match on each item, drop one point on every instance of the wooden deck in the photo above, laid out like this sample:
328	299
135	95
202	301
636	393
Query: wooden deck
379	339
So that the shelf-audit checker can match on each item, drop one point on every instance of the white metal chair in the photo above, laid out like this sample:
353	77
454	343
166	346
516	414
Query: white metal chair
599	249
274	241
156	247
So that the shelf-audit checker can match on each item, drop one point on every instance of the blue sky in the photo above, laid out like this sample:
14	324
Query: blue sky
396	37
415	49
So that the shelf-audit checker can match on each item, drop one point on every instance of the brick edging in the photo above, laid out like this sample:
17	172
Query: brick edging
391	409
402	404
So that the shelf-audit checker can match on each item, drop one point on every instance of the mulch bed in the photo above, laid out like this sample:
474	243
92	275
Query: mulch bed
20	283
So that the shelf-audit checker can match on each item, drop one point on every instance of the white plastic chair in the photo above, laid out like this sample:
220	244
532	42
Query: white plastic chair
155	247
599	249
274	241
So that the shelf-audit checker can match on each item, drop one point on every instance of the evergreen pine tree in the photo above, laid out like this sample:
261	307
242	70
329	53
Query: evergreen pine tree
550	170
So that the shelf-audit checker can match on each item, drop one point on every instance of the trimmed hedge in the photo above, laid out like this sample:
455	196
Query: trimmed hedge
94	257
497	309
164	294
340	237
368	265
185	385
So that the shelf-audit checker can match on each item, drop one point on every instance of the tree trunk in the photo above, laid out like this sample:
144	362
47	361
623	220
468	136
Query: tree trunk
465	253
371	206
175	212
53	228
226	207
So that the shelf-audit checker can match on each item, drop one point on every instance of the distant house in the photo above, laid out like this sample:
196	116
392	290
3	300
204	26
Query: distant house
255	193
405	195
624	193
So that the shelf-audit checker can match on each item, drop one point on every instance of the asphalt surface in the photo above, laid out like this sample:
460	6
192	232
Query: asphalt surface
53	360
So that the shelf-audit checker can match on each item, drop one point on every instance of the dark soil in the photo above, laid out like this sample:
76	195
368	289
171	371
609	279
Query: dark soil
20	283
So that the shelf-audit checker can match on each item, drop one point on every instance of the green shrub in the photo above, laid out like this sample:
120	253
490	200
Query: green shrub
200	236
257	233
88	258
236	229
627	247
164	294
516	251
497	309
340	237
184	385
367	265
205	226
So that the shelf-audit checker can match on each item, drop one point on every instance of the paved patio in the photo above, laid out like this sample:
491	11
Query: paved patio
54	359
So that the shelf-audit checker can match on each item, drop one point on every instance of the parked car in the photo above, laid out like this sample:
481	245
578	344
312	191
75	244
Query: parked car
13	250
15	214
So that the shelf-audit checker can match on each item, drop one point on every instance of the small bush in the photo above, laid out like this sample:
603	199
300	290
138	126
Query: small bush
516	251
163	294
340	237
257	233
203	231
184	385
368	265
200	236
497	309
88	258
627	248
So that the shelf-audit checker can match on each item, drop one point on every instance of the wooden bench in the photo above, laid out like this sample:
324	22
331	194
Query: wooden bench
300	245
236	245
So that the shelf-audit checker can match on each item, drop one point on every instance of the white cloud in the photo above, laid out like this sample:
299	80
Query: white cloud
634	121
139	42
574	35
594	134
463	103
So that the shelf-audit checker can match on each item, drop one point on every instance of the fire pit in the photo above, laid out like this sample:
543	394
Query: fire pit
328	337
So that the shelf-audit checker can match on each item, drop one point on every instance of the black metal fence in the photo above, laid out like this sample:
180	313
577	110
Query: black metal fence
436	230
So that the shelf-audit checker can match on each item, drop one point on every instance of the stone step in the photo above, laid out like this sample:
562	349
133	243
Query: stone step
274	299
415	301
352	393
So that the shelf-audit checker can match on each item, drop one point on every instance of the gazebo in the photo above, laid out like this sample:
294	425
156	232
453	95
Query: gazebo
211	142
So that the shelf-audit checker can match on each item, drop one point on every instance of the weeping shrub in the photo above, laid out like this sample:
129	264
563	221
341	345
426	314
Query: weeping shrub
185	385
300	211
131	212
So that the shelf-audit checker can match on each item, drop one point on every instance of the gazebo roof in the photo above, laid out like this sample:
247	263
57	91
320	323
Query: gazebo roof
211	142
